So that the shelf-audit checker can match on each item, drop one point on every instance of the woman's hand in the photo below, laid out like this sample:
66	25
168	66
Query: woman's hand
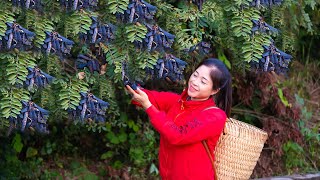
140	97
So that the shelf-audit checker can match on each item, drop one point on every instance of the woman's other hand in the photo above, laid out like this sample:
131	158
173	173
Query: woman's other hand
140	97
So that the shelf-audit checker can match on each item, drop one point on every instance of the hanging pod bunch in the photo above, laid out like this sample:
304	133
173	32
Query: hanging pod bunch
79	4
201	48
28	4
90	108
37	78
17	37
57	44
169	68
125	77
31	117
265	3
156	39
138	11
273	59
198	3
99	32
261	26
86	61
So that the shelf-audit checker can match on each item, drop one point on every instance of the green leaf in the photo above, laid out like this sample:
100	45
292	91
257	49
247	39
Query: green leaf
283	99
136	32
117	164
31	152
118	6
224	59
107	155
122	137
17	143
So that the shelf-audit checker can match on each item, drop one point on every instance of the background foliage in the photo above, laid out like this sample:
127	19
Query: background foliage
123	144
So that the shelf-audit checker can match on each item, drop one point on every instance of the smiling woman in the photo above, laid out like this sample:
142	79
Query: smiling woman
185	121
200	84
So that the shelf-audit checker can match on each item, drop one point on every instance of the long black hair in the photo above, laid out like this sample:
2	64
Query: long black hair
221	79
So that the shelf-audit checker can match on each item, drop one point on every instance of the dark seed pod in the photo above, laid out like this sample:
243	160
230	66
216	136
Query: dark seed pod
57	44
202	48
90	108
86	61
99	32
156	39
273	59
79	4
31	117
17	37
37	78
169	68
125	77
265	3
261	26
199	3
28	4
138	11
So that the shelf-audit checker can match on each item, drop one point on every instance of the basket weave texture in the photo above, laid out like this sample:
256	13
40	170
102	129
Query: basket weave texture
238	150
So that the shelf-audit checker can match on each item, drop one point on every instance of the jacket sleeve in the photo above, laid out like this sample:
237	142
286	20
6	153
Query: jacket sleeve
161	100
211	124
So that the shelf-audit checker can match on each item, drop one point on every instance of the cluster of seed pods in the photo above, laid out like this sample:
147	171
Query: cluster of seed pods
57	44
169	68
99	32
90	108
17	37
261	26
138	11
273	59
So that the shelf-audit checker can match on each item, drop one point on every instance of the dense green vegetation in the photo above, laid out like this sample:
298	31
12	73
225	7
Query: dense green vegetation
81	49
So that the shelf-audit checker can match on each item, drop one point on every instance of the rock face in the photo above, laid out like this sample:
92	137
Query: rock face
295	177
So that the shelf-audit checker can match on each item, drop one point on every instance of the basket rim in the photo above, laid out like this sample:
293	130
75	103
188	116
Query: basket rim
247	126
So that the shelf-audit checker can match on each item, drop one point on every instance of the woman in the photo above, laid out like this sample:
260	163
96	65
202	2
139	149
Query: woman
185	120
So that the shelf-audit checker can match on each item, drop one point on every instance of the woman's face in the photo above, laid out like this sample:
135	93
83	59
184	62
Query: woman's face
200	84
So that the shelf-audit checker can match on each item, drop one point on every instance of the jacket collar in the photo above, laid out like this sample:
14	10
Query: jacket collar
193	104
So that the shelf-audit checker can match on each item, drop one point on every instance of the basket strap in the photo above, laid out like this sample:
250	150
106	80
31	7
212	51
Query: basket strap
210	157
204	142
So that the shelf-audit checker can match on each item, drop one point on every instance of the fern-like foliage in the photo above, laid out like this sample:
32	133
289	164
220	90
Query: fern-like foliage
241	23
69	95
103	87
136	32
78	22
147	60
53	10
39	25
10	104
114	57
102	43
16	67
118	6
252	50
6	16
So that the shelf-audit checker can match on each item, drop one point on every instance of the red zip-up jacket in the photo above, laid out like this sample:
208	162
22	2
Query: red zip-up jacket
182	126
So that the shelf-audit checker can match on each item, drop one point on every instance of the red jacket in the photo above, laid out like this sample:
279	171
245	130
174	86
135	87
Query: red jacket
182	126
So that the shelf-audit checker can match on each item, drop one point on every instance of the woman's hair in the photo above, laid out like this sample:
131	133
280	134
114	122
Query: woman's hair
221	79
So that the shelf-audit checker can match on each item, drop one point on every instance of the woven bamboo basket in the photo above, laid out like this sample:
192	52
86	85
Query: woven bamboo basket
238	150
